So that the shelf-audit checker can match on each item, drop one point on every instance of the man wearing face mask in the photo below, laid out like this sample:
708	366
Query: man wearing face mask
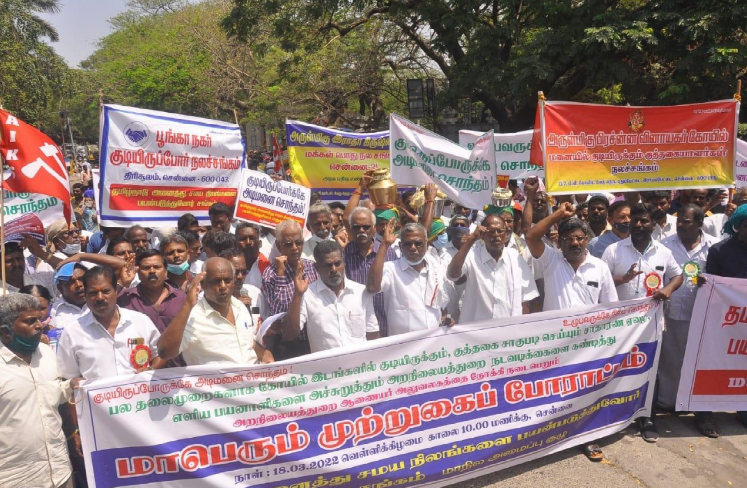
635	263
34	450
359	255
437	238
154	296
499	282
413	286
63	242
319	223
174	250
458	230
334	311
105	340
619	217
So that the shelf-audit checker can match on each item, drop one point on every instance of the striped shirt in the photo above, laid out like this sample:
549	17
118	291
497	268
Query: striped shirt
356	269
278	290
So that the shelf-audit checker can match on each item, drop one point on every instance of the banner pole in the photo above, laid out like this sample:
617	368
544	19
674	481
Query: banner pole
738	94
2	218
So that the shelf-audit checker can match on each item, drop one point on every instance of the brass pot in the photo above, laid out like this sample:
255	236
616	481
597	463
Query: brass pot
501	197
382	189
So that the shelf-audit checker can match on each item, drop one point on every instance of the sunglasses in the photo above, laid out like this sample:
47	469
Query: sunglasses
361	227
412	243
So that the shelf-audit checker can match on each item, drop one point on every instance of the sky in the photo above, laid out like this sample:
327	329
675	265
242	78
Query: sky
81	23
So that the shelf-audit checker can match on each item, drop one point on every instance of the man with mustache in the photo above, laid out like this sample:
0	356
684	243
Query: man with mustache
214	328
573	277
15	268
334	311
154	296
319	223
359	255
69	283
635	263
101	342
666	224
619	218
499	282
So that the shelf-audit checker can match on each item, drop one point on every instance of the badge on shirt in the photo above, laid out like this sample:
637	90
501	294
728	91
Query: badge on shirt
652	282
592	283
140	357
691	270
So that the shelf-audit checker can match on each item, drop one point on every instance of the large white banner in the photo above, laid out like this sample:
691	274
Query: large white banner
267	202
156	166
714	373
418	156
511	154
740	164
429	408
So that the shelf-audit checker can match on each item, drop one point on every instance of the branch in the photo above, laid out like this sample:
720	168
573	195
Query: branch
429	51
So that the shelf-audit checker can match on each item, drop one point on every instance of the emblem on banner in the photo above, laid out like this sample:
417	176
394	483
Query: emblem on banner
636	121
136	133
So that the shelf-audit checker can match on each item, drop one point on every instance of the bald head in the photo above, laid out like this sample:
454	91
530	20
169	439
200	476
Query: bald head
218	282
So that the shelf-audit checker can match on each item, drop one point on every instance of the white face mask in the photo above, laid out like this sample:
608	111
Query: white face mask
71	249
414	263
318	239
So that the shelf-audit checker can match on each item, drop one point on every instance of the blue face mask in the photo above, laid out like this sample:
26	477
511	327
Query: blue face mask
441	241
178	269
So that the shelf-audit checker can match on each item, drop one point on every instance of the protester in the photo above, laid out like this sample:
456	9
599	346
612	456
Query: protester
138	237
582	212
34	440
101	342
189	222
174	250
714	224
15	268
338	210
217	241
278	283
413	285
71	303
216	328
319	223
220	216
248	241
437	237
619	219
194	250
121	248
359	255
666	224
499	282
99	241
689	245
246	293
335	311
642	266
76	199
598	215
154	296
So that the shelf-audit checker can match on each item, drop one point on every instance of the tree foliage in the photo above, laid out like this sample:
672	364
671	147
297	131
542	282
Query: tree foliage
501	53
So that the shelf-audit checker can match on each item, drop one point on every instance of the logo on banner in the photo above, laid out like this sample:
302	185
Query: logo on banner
136	133
636	121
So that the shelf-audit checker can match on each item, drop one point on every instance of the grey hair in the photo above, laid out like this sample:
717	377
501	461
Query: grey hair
287	225
175	238
361	210
319	208
12	305
414	227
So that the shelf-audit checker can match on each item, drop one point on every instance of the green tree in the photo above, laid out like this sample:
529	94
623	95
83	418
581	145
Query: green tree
501	53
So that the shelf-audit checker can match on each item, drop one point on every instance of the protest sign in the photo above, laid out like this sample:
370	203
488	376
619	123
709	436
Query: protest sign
714	372
331	161
26	212
419	156
25	225
156	166
429	408
740	164
589	148
267	202
511	154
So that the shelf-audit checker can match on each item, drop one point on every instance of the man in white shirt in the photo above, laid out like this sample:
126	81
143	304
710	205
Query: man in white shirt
33	447
643	267
689	244
499	281
106	340
714	224
216	328
573	277
665	223
336	312
319	223
413	285
69	283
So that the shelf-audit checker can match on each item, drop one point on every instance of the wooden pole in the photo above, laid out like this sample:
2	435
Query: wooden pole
738	94
2	218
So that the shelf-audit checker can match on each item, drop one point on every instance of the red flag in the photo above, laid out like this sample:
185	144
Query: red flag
536	154
277	155
36	163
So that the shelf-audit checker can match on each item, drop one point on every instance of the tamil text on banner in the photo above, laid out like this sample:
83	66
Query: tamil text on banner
430	408
511	154
267	202
740	164
419	156
714	372
155	166
331	161
29	213
591	148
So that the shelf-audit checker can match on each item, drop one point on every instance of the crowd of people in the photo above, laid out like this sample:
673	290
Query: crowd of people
103	301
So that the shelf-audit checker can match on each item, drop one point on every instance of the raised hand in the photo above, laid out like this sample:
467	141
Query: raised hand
301	281
194	288
389	237
365	180
280	262
342	238
566	210
430	192
631	273
531	185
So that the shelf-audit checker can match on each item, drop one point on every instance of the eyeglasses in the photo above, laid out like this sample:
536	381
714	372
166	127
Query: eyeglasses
412	243
70	233
499	232
457	224
298	243
242	272
361	227
573	239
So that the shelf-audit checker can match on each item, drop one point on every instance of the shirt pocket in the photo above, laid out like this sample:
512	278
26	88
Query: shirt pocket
355	326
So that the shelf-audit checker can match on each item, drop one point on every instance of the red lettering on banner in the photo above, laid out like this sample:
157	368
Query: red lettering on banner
190	199
720	382
735	315
737	346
